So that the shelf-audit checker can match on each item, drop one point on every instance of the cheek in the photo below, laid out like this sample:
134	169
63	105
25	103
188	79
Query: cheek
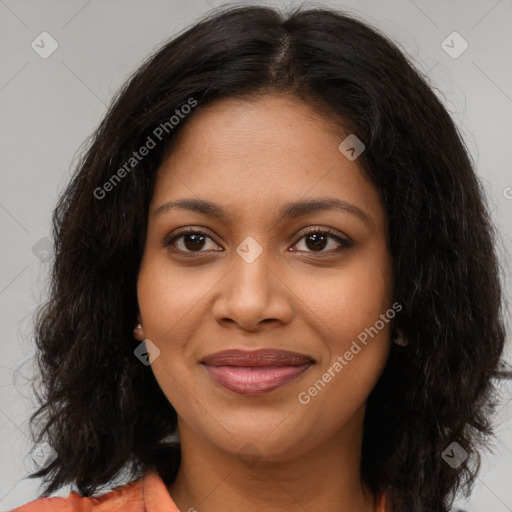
353	315
349	301
169	303
170	297
163	305
356	350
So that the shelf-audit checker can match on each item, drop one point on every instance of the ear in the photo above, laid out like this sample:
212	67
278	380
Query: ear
138	332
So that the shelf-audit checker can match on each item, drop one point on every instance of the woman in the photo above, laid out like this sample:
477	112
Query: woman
276	250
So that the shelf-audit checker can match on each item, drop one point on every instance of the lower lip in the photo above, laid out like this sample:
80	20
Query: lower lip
252	380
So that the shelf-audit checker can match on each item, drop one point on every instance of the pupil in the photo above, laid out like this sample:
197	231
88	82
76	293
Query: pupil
197	240
318	243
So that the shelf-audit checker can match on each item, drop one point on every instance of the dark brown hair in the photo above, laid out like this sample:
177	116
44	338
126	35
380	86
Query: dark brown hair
102	411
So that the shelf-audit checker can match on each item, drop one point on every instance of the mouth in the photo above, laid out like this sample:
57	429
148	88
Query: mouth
255	372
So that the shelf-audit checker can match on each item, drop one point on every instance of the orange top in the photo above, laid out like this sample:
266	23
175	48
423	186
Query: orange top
148	494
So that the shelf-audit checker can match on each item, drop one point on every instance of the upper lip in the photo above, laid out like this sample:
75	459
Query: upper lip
261	357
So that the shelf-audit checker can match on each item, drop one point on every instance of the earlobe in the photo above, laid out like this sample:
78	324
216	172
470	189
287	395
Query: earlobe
138	332
399	338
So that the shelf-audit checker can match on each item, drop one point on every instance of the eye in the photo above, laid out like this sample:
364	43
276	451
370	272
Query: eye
190	241
317	239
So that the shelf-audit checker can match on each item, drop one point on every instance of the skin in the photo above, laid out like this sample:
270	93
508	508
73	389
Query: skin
267	452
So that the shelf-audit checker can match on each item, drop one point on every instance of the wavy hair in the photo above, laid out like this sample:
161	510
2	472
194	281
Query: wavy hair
102	411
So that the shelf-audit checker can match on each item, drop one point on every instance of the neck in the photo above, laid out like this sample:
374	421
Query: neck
327	477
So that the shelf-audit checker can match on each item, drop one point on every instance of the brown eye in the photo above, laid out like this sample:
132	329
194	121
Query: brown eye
191	241
317	240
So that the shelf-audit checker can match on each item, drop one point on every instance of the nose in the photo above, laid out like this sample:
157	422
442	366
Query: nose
253	294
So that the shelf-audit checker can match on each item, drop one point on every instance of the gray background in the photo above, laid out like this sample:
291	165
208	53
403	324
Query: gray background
49	106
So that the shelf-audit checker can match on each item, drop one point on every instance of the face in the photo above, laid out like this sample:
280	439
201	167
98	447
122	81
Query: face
253	273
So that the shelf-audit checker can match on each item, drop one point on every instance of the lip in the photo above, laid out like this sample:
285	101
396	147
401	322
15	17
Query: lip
255	372
261	357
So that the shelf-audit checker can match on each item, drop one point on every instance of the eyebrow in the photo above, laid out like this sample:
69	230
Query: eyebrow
289	210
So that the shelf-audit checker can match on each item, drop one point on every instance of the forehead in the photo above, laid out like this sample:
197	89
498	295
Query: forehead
257	154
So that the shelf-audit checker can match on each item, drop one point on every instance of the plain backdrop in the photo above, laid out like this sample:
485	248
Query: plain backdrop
50	104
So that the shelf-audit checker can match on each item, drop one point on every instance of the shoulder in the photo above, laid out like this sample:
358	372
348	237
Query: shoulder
128	498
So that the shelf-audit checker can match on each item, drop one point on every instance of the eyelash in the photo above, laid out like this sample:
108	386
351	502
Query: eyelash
344	243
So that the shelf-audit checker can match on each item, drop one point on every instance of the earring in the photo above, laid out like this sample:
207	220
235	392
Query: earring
399	339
